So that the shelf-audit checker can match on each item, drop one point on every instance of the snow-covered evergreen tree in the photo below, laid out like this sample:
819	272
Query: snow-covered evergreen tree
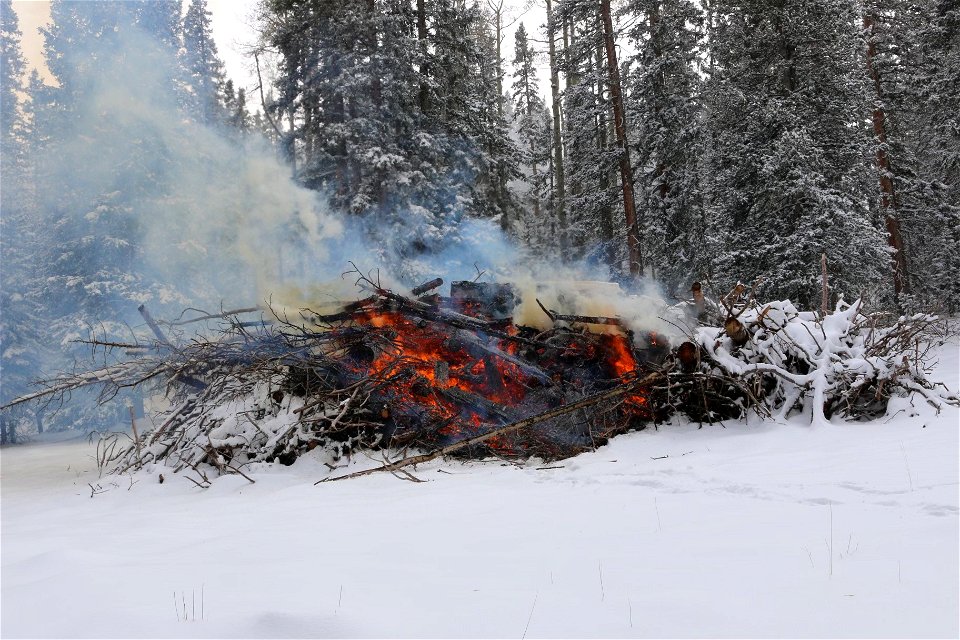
787	177
591	155
486	124
917	56
20	341
203	69
97	164
235	108
387	106
666	120
13	132
161	19
532	124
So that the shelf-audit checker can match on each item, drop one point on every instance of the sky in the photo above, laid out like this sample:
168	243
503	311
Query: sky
234	32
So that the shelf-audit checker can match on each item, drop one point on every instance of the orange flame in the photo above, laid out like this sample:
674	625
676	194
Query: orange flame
447	362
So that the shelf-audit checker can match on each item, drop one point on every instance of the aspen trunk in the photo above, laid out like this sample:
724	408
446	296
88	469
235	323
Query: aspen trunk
619	123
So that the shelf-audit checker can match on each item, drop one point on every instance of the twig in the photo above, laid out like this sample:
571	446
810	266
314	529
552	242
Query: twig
600	570
211	316
263	102
530	617
907	465
136	436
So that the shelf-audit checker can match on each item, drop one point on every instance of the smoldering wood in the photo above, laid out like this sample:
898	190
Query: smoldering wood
369	379
430	285
496	299
526	367
616	322
546	311
472	399
514	426
688	355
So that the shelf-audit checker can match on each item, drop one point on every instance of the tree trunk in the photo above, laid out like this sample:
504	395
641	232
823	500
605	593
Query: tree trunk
533	148
424	96
619	123
559	195
888	199
606	212
376	95
498	28
499	176
574	146
660	173
292	151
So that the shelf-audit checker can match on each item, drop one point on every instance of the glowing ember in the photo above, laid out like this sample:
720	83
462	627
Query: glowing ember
466	382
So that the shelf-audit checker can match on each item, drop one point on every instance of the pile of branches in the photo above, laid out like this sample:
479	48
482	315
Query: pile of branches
847	363
455	377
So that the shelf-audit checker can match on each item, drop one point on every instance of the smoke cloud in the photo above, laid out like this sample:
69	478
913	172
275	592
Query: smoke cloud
220	220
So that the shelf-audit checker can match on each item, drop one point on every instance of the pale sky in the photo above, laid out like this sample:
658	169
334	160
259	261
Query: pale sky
233	31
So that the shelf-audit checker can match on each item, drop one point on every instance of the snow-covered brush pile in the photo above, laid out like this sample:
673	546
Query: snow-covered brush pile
455	376
845	363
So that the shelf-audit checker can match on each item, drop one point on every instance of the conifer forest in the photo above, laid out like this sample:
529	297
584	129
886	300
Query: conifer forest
479	318
665	142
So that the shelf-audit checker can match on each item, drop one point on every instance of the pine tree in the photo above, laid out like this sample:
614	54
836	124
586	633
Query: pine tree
498	161
14	127
631	221
235	107
391	109
558	194
787	178
917	46
160	19
20	344
532	127
666	120
99	166
591	159
203	69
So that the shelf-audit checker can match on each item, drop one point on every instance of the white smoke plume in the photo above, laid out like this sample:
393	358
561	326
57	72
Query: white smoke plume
230	226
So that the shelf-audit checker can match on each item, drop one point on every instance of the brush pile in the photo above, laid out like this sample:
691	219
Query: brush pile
455	376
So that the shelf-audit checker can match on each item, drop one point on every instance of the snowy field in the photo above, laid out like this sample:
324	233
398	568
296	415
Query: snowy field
756	529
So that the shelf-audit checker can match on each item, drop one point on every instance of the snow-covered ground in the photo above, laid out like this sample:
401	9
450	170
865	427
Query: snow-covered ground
756	529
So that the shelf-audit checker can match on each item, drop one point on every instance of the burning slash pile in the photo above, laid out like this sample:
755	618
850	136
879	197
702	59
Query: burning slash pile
456	376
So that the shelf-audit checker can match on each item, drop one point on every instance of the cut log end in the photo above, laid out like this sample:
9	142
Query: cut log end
736	331
688	354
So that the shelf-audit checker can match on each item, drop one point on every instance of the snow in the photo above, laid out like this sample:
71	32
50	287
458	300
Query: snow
752	529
